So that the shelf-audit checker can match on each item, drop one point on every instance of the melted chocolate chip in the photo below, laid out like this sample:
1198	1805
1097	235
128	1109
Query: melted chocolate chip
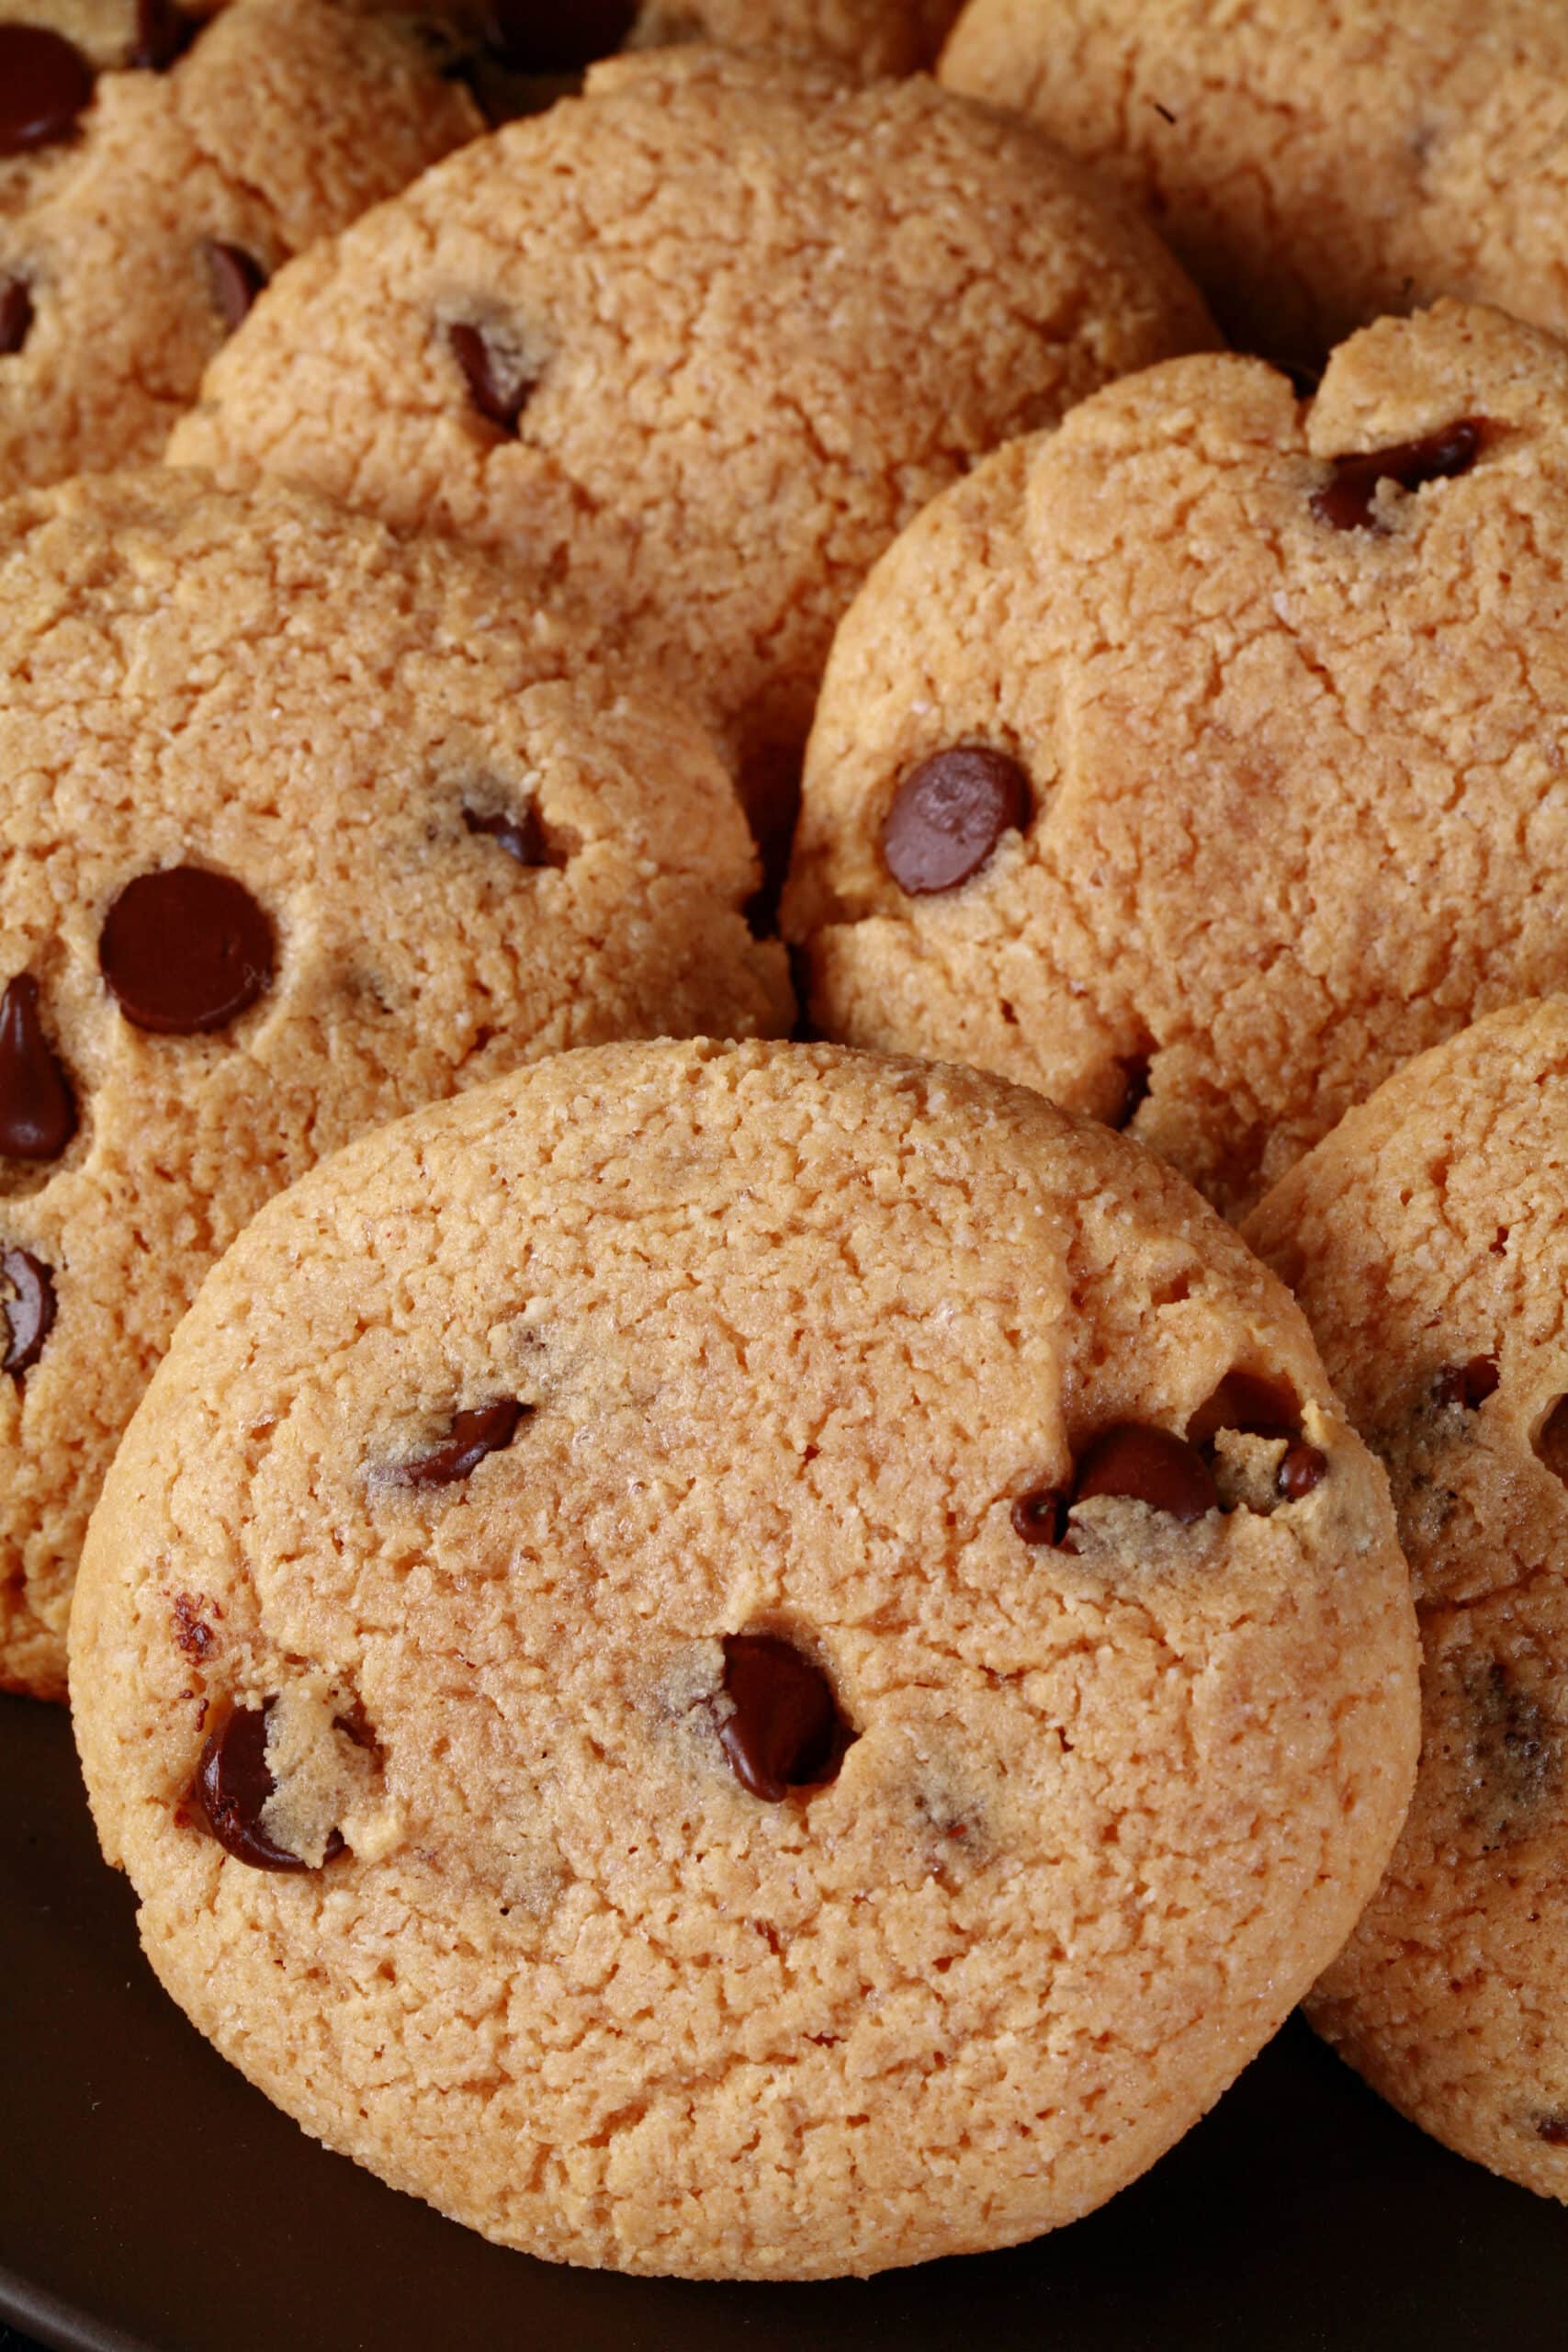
786	1731
185	950
30	1312
533	40
1304	1466
37	1110
500	402
1147	1466
1468	1385
1347	501
522	837
236	278
1514	1761
192	1631
16	315
1249	1403
948	815
1041	1516
485	1429
1553	2130
45	81
163	32
233	1785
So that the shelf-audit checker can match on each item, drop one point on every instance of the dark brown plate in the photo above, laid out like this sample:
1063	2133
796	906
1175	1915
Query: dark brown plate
152	2202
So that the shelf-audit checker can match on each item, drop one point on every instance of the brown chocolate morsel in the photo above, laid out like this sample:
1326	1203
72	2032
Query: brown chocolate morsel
28	1313
163	32
45	81
185	950
16	315
1513	1763
232	1784
534	39
1304	1467
948	815
786	1731
1553	2130
1468	1385
492	398
1041	1516
485	1429
236	278
37	1110
1347	501
1250	1403
1147	1466
521	837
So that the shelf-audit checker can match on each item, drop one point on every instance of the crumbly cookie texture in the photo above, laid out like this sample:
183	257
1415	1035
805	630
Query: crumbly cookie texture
788	1846
699	343
1427	1239
1282	718
132	238
1313	167
431	843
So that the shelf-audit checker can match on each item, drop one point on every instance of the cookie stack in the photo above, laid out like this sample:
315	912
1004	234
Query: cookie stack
753	1659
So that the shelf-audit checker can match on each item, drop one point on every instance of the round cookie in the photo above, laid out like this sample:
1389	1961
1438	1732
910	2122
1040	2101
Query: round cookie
1427	1239
1313	167
794	1771
699	343
141	212
1243	717
430	844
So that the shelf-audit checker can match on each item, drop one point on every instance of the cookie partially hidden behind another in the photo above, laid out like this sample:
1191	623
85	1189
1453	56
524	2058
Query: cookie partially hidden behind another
1427	1239
304	827
744	1661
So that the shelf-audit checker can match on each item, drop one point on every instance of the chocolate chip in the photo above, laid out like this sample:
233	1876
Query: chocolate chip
30	1312
1468	1385
185	950
1513	1764
237	278
1250	1403
534	39
1147	1466
1041	1516
521	836
485	1429
38	1110
948	815
16	315
500	402
1347	501
1304	1467
193	1634
233	1785
45	81
163	32
1553	2130
786	1731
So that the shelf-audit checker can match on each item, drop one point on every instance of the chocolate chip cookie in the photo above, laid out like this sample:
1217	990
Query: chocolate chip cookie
1200	764
698	344
303	827
744	1661
1313	167
142	209
1427	1239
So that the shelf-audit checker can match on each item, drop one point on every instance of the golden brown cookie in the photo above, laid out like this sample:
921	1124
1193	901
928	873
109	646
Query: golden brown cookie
1201	763
1427	1239
698	345
744	1661
303	827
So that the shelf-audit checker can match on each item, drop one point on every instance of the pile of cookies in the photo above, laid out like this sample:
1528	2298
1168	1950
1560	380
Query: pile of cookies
693	785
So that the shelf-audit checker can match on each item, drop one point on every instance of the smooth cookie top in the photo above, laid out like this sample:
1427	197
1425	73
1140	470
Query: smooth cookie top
701	343
744	1661
1427	1239
1201	763
304	827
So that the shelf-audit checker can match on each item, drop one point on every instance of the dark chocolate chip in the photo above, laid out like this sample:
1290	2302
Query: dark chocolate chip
500	402
30	1312
45	81
948	815
37	1110
534	40
163	33
1041	1516
1250	1403
193	1634
1147	1466
1347	501
1468	1385
485	1429
1515	1750
1304	1467
786	1731
16	315
185	950
233	1785
236	278
1553	2130
521	836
